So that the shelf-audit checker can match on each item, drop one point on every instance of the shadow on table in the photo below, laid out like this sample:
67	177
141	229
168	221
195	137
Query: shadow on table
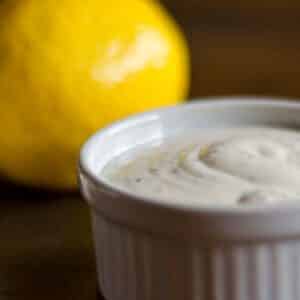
46	250
48	276
19	192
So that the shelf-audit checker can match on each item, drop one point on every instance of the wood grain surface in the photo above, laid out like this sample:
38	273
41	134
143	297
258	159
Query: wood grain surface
46	250
237	47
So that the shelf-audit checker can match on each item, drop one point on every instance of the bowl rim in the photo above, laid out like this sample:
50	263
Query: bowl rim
137	119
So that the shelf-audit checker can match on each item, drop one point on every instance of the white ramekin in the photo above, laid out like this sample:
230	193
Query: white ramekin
151	251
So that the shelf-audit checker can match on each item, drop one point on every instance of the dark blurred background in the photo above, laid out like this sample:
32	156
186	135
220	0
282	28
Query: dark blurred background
242	47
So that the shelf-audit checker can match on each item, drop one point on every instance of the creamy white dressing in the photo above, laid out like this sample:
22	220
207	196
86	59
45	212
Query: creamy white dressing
243	166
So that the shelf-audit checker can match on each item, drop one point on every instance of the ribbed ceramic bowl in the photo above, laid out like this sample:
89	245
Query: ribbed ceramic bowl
151	251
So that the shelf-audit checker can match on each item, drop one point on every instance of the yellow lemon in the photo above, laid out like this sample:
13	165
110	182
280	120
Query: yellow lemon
69	67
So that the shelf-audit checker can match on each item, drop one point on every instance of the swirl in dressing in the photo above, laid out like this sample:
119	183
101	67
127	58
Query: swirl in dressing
245	166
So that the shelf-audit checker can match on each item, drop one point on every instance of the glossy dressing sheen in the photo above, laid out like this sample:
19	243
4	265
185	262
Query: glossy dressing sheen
234	166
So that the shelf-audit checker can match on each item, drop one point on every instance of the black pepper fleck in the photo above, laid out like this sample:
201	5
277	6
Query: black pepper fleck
174	171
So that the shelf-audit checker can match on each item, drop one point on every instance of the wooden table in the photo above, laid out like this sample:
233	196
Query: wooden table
46	250
250	47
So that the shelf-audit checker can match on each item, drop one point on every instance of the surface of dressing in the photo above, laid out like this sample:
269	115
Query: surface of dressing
242	166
